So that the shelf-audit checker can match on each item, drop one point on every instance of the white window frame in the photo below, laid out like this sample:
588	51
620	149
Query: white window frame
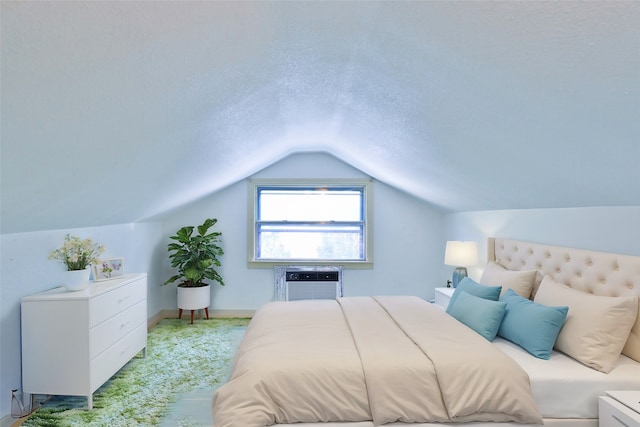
367	188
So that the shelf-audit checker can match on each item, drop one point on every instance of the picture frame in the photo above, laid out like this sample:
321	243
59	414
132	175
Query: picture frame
107	269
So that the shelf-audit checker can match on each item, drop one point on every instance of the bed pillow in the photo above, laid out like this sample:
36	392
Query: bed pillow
520	281
482	315
596	328
534	327
474	288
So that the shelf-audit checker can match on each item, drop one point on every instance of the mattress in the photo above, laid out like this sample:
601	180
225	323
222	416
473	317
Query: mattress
564	388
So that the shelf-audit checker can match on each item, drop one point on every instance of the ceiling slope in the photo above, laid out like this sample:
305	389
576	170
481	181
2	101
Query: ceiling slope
113	112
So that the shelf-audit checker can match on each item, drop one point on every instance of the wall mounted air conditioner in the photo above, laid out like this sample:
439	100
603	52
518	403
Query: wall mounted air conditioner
294	283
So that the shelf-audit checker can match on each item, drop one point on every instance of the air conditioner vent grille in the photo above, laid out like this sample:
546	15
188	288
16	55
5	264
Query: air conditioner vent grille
307	282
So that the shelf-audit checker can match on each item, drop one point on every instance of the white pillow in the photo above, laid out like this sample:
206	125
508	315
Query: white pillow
596	328
520	281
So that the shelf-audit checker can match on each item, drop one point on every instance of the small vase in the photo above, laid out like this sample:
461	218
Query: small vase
76	280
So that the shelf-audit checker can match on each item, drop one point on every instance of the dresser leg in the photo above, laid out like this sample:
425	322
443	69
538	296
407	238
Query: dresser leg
206	310
192	317
90	401
179	313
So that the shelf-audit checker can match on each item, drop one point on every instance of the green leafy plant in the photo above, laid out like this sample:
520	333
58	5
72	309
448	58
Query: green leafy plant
196	256
77	254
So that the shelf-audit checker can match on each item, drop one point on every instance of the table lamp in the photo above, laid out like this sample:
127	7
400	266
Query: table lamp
461	255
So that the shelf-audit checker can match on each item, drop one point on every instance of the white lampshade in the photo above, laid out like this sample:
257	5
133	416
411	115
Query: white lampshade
461	254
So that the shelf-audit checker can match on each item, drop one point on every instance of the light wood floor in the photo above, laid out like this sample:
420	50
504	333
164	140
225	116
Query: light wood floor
193	409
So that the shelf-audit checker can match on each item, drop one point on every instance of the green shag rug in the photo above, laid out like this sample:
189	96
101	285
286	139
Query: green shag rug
180	358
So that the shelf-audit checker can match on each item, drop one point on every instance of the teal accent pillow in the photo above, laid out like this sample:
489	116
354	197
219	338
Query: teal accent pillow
482	315
476	289
534	327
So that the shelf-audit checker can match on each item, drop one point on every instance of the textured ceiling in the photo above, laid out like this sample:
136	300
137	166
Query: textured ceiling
113	112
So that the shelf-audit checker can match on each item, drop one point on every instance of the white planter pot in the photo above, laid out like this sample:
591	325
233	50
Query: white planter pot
194	298
76	280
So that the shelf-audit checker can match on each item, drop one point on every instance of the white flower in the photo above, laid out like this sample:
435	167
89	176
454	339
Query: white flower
77	254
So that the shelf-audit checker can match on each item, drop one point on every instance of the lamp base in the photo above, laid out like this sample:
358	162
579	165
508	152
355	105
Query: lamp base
458	274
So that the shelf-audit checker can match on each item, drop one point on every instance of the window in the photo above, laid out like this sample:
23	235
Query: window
310	222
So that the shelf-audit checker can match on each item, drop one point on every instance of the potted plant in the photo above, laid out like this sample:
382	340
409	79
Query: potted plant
77	255
196	258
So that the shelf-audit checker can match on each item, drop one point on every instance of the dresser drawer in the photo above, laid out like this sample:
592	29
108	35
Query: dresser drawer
614	414
107	333
116	356
106	305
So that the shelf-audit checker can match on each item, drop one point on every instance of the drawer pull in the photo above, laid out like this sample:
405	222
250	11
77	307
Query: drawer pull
620	421
125	324
127	349
123	299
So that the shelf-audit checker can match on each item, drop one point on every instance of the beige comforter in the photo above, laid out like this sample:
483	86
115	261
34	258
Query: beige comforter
383	359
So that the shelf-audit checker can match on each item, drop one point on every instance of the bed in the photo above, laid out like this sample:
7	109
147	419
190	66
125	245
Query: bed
399	360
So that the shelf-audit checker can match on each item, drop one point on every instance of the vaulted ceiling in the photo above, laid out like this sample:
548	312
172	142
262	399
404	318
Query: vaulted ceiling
113	112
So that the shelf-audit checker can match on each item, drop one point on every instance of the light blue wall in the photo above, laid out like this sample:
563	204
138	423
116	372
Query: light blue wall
408	248
25	269
604	229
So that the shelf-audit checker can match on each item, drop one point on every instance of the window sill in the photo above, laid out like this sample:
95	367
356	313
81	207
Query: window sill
345	264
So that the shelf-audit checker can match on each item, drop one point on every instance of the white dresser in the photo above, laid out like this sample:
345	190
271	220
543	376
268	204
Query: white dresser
73	342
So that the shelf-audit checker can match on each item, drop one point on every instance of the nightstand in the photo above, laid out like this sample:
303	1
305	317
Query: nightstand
619	409
443	296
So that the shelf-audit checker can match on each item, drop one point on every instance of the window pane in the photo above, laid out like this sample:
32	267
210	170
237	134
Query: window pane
310	241
311	221
309	205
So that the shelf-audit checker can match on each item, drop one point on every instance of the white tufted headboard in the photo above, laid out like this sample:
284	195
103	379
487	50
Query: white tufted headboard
598	273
